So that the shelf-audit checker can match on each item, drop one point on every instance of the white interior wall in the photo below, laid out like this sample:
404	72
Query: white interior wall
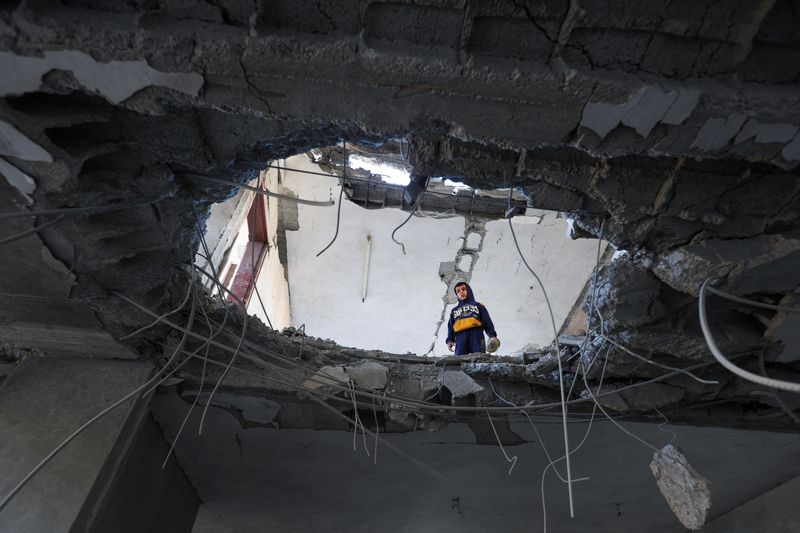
272	285
405	294
511	293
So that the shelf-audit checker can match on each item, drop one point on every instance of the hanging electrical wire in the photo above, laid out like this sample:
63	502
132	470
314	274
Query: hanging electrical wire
157	320
552	463
720	357
558	358
512	460
233	357
330	381
206	346
624	430
208	256
341	193
411	214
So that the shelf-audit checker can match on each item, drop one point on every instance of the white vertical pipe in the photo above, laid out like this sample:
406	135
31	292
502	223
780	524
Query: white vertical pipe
367	249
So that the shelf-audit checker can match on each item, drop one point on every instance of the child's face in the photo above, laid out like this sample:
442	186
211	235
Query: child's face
461	292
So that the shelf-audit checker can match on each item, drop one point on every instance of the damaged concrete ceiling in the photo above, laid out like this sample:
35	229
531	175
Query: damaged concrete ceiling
671	129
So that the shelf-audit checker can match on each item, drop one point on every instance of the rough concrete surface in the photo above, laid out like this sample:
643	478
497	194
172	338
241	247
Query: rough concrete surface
666	128
41	404
686	491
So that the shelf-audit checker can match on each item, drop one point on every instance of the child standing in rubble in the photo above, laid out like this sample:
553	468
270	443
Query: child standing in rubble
468	320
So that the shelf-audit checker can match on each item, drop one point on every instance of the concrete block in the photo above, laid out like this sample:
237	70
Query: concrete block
369	375
686	491
460	384
473	241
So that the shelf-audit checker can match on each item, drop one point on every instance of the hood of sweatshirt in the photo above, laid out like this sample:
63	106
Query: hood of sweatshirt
470	297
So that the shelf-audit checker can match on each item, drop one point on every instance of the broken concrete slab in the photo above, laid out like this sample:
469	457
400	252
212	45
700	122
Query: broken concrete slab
686	491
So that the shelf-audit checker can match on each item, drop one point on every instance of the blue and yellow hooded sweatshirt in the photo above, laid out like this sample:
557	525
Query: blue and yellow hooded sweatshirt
468	320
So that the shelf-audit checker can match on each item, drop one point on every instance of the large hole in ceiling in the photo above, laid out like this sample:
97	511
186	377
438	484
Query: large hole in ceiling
386	281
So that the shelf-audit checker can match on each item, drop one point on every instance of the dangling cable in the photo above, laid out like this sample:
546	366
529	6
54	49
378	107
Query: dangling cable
560	367
341	193
512	460
411	214
720	357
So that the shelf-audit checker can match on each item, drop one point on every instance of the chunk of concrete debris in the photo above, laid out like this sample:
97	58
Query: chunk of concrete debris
369	375
327	375
459	383
686	491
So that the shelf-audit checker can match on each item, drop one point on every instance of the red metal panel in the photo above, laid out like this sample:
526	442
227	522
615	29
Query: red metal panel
257	220
247	273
